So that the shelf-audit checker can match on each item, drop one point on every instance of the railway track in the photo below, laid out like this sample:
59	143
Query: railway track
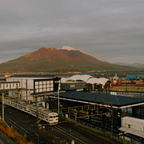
69	134
65	131
26	124
22	129
11	123
19	124
83	135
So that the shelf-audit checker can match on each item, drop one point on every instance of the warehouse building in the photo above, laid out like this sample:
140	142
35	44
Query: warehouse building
84	82
28	85
133	129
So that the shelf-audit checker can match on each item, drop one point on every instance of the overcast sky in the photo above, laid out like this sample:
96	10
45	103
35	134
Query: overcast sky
111	30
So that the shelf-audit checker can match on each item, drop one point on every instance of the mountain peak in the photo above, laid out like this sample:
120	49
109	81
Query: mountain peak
66	53
66	59
46	49
42	53
68	48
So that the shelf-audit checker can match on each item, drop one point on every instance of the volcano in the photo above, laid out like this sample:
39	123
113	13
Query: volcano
66	59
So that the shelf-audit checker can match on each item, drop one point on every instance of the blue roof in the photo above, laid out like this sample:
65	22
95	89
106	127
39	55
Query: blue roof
131	77
120	78
101	98
1	75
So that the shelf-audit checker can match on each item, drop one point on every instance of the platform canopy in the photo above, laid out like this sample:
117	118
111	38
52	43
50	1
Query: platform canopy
101	98
101	81
77	78
85	78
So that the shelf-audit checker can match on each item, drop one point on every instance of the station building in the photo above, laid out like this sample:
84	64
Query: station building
111	107
33	84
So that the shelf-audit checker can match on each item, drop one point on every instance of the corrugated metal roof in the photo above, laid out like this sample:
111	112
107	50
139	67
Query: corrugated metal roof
79	77
97	80
101	98
85	78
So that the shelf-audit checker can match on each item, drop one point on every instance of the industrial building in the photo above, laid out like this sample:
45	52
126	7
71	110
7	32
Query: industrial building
10	85
110	107
112	110
2	77
83	82
28	85
132	128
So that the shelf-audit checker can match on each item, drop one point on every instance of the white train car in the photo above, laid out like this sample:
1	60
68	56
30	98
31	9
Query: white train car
133	126
52	118
44	114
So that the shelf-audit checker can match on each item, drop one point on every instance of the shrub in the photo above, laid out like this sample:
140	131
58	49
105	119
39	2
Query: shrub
12	133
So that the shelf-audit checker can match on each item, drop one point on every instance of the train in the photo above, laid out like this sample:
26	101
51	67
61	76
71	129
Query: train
43	114
128	82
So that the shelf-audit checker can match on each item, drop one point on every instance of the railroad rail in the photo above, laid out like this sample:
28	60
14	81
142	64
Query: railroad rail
70	135
39	112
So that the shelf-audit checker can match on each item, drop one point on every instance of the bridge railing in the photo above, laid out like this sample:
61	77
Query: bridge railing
41	113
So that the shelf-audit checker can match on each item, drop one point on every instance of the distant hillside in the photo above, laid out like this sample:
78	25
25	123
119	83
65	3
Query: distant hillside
59	60
137	65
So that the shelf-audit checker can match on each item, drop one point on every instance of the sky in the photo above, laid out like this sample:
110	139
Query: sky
111	30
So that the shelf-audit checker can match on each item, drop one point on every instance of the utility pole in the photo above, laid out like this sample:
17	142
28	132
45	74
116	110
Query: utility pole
37	135
112	119
26	90
58	96
36	98
3	106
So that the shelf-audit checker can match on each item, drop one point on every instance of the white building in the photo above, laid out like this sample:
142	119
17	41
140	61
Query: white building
133	126
29	84
10	85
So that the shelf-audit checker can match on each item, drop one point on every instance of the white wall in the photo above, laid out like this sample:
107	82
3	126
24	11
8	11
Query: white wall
133	123
28	83
10	85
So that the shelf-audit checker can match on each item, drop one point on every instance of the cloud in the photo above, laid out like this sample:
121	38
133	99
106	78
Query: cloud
111	28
